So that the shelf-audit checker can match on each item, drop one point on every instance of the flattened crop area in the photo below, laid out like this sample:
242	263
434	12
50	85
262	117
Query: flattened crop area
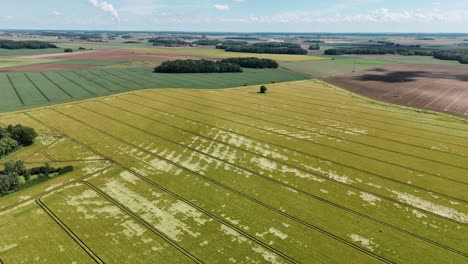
303	174
435	87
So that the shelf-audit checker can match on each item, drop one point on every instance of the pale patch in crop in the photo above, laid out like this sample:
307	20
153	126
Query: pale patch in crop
235	236
129	177
418	214
365	242
267	255
46	140
53	186
273	231
264	163
302	175
132	229
7	247
432	207
370	198
151	211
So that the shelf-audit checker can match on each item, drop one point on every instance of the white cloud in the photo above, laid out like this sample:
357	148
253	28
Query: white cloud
56	13
106	7
222	7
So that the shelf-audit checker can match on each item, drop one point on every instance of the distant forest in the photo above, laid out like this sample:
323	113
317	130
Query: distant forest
197	66
208	66
11	44
269	47
457	55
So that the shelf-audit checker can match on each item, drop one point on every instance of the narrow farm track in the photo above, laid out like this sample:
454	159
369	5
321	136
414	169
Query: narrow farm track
365	251
15	89
58	86
37	88
281	183
302	152
70	233
245	100
322	133
77	84
160	187
143	222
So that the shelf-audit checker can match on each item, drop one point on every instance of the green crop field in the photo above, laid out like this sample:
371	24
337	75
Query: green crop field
327	68
26	90
219	53
7	62
307	173
25	52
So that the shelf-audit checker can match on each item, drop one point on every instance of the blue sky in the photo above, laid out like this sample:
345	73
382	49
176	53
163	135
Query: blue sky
239	15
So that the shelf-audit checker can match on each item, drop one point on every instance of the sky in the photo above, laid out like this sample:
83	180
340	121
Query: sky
238	15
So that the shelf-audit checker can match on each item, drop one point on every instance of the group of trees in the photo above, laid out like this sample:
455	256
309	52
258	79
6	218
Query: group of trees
252	62
458	55
10	176
197	66
207	42
381	50
207	66
168	42
314	47
11	44
269	47
13	137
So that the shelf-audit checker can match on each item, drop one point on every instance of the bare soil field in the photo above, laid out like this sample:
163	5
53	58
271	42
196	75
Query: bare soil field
123	55
435	87
46	67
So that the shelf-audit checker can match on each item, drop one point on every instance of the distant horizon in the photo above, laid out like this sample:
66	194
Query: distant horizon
425	16
235	32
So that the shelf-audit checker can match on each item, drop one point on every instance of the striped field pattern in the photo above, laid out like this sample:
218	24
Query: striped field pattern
306	173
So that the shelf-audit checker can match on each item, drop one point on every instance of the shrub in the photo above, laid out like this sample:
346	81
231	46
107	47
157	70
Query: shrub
68	50
263	89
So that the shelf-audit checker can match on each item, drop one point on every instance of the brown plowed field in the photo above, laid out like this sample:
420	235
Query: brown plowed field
436	87
123	55
46	67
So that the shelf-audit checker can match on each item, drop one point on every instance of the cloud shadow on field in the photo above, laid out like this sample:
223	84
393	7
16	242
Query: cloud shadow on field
407	76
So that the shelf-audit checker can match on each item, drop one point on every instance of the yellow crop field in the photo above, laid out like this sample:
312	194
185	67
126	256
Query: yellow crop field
306	173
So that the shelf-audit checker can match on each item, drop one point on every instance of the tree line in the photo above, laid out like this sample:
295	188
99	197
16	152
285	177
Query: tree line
269	47
254	63
166	42
457	55
197	66
30	44
14	137
208	66
14	170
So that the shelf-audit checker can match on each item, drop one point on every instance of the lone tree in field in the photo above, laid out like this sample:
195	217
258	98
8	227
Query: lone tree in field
263	89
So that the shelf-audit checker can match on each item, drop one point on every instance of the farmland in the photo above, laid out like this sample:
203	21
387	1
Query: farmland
219	53
198	175
26	90
434	87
